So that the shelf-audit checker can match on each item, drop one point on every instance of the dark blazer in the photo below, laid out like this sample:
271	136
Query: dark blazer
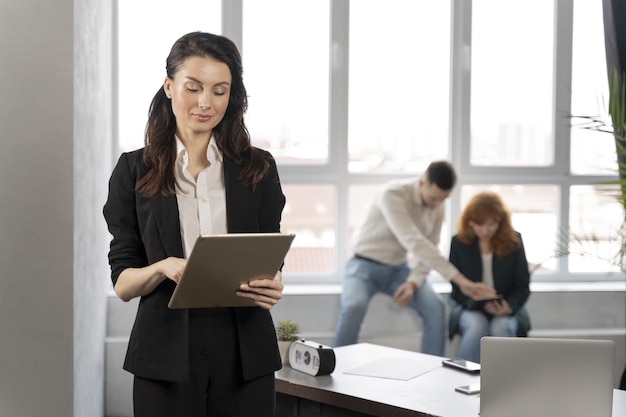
511	279
147	230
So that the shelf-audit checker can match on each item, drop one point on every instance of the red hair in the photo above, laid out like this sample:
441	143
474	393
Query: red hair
488	206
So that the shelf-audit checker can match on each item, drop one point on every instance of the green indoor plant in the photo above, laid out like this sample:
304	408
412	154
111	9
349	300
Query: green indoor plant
614	124
287	331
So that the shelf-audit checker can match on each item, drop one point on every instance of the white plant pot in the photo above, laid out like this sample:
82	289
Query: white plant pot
283	348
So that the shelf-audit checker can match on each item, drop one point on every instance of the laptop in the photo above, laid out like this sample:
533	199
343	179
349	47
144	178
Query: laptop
218	264
537	377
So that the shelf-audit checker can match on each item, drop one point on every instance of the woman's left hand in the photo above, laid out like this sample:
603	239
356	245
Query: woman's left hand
264	292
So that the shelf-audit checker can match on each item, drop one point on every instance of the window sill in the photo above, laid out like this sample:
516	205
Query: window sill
444	288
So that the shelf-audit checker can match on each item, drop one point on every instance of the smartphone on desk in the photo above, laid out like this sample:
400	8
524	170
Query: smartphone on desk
470	389
462	365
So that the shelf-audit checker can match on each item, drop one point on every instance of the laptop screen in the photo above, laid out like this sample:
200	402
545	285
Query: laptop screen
546	377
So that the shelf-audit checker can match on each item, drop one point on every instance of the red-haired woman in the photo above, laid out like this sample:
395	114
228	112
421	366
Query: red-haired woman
487	249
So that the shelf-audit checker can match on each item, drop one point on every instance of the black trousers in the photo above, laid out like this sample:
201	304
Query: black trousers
216	387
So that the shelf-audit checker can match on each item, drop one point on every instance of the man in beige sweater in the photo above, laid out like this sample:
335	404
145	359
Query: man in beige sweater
405	218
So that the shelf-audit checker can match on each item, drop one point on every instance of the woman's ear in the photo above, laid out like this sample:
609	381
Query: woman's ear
167	87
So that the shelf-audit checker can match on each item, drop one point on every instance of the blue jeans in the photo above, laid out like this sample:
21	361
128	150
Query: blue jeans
366	278
474	325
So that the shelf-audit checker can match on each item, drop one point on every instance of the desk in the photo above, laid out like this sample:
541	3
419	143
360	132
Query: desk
340	394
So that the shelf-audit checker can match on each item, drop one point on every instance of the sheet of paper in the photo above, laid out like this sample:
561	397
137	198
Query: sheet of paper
394	368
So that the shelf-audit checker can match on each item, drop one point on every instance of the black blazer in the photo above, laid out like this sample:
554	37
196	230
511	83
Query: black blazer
511	278
147	230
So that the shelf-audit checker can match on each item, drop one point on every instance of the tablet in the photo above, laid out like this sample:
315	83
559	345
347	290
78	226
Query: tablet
479	303
219	264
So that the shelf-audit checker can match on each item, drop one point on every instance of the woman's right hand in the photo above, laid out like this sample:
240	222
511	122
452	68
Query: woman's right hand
136	282
172	268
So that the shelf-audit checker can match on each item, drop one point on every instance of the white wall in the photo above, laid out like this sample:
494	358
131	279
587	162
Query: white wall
54	118
93	149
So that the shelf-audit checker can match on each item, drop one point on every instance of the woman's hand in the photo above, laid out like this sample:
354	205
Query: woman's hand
172	268
265	292
136	282
498	308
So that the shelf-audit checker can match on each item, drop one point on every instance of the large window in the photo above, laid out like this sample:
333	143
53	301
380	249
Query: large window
593	152
144	41
511	83
399	84
349	94
286	65
595	229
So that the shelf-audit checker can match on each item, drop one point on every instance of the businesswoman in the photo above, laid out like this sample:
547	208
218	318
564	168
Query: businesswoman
197	174
487	249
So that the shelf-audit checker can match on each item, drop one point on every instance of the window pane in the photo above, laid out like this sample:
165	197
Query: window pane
592	152
286	64
511	86
310	214
143	46
359	199
533	213
399	84
595	225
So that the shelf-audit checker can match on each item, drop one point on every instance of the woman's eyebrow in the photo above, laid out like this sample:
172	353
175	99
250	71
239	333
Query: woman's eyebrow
189	78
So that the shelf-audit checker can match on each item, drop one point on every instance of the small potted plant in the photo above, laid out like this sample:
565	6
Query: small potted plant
286	332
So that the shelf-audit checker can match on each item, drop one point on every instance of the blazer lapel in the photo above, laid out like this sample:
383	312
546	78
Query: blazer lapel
165	209
477	259
240	213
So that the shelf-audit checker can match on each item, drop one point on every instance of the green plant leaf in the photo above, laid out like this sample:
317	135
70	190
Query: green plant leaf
287	331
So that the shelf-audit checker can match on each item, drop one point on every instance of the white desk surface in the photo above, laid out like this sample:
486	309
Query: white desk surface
429	393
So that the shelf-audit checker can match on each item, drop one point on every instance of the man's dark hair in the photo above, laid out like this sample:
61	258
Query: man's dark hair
442	174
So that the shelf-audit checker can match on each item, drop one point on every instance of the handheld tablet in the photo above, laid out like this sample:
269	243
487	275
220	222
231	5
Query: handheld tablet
219	264
479	303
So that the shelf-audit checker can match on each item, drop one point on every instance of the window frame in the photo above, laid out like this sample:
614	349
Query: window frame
335	171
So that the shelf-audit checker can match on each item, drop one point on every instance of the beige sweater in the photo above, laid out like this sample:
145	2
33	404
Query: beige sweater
399	224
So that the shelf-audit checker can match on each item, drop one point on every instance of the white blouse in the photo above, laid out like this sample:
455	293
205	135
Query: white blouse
488	269
201	202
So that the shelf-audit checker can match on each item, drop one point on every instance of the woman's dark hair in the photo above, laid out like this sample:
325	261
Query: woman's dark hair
482	207
231	135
